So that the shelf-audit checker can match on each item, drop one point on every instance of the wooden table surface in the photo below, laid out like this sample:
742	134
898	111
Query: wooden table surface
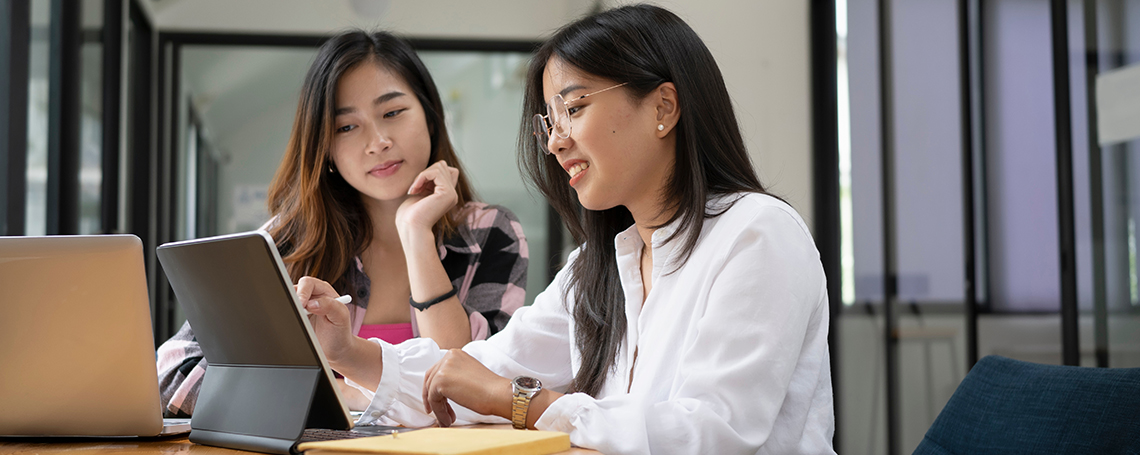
178	444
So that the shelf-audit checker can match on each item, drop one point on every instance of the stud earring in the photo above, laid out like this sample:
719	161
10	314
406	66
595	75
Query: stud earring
660	127
331	170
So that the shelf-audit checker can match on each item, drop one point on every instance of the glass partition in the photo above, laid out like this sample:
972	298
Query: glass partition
91	117
1016	210
38	67
1117	335
482	96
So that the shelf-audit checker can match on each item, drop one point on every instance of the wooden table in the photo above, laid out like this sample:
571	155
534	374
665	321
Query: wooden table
179	445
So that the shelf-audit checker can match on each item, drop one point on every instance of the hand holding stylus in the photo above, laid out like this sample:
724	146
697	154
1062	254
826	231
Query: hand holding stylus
345	299
328	315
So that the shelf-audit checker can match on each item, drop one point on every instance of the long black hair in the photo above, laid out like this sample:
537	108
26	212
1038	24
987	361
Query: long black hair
644	46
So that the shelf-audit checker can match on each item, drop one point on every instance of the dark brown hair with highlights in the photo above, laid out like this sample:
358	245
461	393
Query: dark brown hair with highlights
320	223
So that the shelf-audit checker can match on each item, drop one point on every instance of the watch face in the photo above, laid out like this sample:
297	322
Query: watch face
527	383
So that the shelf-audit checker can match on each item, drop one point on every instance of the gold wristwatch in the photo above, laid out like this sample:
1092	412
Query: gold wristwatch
524	388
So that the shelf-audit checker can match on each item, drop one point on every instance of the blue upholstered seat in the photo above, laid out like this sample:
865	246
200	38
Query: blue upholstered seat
1007	406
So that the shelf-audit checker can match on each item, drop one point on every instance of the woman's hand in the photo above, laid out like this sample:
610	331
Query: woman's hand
431	196
462	379
330	318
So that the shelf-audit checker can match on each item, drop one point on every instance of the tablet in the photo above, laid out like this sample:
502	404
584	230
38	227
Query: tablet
267	378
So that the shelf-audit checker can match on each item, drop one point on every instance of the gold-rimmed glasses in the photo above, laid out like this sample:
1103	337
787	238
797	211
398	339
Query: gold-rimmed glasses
557	119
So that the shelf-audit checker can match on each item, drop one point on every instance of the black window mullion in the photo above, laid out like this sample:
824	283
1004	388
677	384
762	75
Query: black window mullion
157	220
1096	187
167	174
140	146
141	76
14	47
890	247
63	119
968	27
112	109
1062	111
981	163
825	170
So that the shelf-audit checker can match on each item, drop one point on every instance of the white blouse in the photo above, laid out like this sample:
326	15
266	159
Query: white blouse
731	347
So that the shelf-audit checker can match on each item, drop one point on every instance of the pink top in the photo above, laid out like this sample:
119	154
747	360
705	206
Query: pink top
392	333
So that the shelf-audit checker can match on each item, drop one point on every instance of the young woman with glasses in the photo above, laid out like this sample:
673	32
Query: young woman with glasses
370	197
693	316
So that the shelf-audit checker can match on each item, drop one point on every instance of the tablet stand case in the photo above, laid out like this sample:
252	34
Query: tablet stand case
237	410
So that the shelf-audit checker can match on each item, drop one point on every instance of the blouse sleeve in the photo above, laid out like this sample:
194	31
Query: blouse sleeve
537	343
181	366
493	283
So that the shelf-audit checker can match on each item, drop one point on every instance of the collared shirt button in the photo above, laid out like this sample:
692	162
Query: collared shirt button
377	413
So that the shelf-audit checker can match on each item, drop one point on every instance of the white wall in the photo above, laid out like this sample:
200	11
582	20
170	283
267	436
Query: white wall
762	48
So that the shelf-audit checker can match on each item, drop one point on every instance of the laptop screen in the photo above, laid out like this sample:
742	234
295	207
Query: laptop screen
76	339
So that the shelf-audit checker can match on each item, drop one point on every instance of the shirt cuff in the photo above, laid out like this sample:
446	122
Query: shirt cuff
563	413
385	394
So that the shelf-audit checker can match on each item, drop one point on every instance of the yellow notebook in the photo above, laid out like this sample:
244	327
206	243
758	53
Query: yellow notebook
447	441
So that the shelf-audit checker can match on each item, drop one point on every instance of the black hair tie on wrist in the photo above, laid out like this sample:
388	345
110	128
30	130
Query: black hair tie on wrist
429	303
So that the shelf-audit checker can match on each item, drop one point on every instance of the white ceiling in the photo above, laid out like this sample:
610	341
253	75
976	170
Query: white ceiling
515	19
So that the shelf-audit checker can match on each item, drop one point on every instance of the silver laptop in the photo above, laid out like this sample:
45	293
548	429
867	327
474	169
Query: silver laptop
76	339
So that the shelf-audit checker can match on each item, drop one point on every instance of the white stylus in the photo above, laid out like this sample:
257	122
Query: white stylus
345	299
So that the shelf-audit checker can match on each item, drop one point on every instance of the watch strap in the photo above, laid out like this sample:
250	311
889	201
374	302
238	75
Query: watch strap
520	404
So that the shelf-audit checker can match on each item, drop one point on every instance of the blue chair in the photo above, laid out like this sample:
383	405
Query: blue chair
1007	406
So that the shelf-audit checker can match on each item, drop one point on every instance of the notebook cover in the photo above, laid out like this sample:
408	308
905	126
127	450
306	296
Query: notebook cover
448	441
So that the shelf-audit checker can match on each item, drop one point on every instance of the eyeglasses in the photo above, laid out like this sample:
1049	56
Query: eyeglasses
557	119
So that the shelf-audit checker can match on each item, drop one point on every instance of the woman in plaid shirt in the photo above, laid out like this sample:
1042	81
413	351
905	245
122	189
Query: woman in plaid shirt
370	190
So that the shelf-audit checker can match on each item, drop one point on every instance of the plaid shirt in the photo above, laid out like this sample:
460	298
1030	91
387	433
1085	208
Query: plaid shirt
486	260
